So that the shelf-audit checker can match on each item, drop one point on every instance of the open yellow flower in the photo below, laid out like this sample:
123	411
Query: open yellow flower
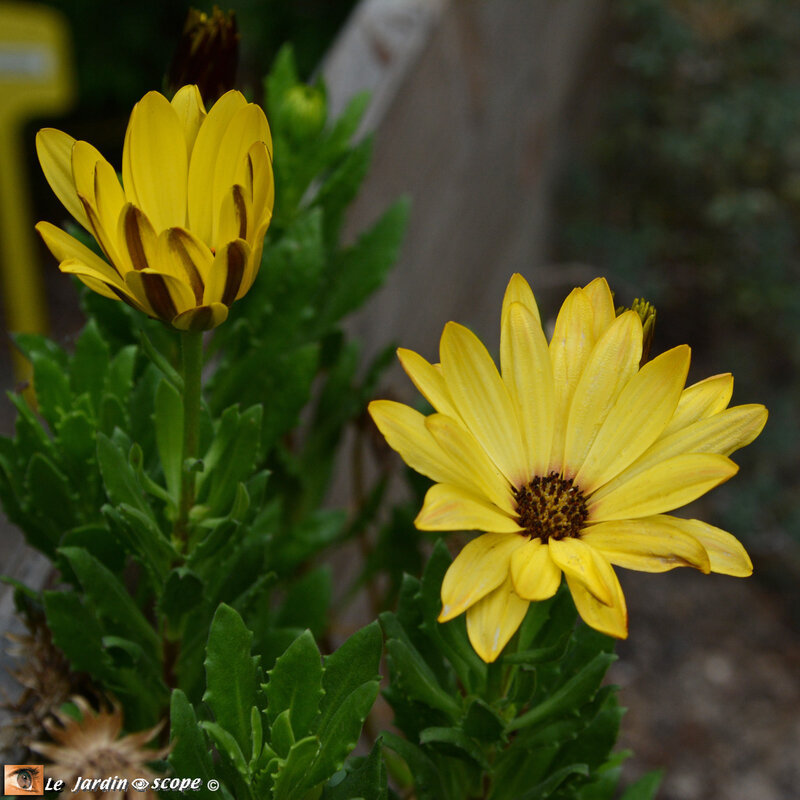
568	459
183	233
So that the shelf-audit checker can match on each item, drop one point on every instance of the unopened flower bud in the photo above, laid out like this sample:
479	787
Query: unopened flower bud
303	112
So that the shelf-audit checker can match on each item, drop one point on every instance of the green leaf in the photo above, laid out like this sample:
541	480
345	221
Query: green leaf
456	743
417	680
341	731
307	601
168	419
118	476
553	781
541	655
183	592
189	754
645	788
295	684
483	722
231	675
226	743
355	663
367	780
281	735
427	779
361	269
110	600
579	689
76	435
77	634
119	378
293	776
50	493
90	364
52	387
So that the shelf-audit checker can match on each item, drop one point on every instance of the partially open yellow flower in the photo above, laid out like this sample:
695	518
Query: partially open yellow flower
568	458
184	232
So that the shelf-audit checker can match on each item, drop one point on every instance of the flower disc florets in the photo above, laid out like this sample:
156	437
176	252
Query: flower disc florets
551	507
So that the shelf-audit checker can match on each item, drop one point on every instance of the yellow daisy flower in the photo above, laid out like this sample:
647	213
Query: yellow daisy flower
184	231
567	458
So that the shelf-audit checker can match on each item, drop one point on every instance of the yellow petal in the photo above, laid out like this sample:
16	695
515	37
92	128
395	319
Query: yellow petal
533	573
669	484
64	247
156	159
428	380
54	149
163	296
483	401
480	567
602	301
188	105
641	412
235	216
611	364
202	167
580	562
701	400
248	125
261	183
528	375
493	620
404	430
84	158
109	200
725	552
254	261
572	342
97	281
479	471
202	318
519	291
722	433
192	255
611	620
650	544
450	508
138	242
227	273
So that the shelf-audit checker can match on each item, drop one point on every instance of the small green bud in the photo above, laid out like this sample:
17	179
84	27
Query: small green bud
303	112
647	314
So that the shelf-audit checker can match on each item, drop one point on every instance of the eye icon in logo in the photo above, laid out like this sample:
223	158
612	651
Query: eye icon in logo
24	779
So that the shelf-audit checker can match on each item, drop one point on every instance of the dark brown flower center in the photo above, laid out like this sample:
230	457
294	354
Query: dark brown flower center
551	507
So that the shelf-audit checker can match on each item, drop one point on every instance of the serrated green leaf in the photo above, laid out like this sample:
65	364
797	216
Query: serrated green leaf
119	378
90	364
50	493
281	735
118	476
77	634
579	689
417	680
553	781
427	779
295	684
226	744
76	435
189	755
293	776
231	674
168	419
51	384
367	780
355	663
339	734
110	600
455	742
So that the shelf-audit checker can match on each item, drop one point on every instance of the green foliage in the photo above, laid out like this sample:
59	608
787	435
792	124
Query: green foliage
289	738
535	724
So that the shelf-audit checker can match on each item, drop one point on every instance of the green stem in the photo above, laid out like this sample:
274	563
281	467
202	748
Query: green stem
191	369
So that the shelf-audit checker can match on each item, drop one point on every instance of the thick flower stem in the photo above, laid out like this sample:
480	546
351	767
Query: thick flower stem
191	369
